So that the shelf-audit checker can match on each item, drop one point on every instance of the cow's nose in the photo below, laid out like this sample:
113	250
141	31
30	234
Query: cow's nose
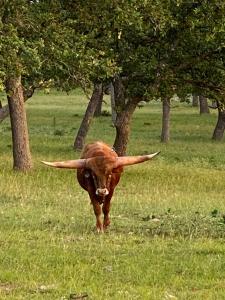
102	192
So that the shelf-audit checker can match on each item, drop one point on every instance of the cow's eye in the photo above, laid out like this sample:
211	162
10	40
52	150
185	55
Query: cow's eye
94	177
87	175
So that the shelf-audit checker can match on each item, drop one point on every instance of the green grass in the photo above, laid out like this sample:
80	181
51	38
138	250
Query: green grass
166	240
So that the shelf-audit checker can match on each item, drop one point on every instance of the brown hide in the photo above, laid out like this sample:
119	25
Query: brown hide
100	173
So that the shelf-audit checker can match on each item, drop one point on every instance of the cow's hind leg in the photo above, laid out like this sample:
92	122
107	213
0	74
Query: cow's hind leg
98	211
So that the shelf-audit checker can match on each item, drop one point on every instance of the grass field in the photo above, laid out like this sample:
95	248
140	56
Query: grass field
167	233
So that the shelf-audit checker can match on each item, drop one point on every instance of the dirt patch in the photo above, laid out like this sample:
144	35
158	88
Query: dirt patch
6	287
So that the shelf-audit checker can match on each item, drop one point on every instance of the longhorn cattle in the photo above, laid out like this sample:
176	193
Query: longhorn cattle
98	172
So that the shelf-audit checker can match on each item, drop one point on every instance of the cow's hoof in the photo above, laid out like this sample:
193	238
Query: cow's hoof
106	224
100	229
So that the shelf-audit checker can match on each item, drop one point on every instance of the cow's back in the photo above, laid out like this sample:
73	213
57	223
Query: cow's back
98	149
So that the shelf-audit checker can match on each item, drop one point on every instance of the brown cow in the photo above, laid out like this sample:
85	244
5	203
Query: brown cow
98	172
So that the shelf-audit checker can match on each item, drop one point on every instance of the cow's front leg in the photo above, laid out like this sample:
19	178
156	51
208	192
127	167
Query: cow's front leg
106	208
98	211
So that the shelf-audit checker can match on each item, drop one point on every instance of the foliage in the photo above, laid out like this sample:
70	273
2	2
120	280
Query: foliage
19	44
197	49
158	47
35	44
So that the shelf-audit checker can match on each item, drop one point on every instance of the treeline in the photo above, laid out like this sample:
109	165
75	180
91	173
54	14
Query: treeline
142	49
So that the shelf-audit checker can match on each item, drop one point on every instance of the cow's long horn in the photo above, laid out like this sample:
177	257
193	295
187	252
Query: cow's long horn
68	164
131	160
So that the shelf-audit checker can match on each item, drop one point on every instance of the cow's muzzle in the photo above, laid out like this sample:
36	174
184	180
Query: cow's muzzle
102	192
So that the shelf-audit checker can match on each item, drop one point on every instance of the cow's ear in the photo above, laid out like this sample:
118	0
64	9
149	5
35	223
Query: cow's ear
117	170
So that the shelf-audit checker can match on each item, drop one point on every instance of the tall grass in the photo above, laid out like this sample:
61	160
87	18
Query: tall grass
166	240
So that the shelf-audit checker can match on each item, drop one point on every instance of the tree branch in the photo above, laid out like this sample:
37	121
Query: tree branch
204	84
27	94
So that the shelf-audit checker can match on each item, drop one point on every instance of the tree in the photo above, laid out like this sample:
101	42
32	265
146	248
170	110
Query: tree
35	48
147	48
220	125
198	52
14	51
156	46
195	100
204	109
21	151
91	108
165	134
113	103
98	110
136	42
27	94
4	112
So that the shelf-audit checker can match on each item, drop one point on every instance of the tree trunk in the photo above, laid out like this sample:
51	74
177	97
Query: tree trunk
220	126
85	124
195	101
21	150
98	110
119	94
214	104
204	109
4	110
122	125
113	104
165	134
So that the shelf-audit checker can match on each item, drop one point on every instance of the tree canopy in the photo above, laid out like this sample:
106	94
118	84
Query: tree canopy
146	48
154	45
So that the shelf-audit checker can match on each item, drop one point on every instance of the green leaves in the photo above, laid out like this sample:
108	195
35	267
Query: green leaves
158	46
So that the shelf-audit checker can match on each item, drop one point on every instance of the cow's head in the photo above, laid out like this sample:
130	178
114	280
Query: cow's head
101	168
